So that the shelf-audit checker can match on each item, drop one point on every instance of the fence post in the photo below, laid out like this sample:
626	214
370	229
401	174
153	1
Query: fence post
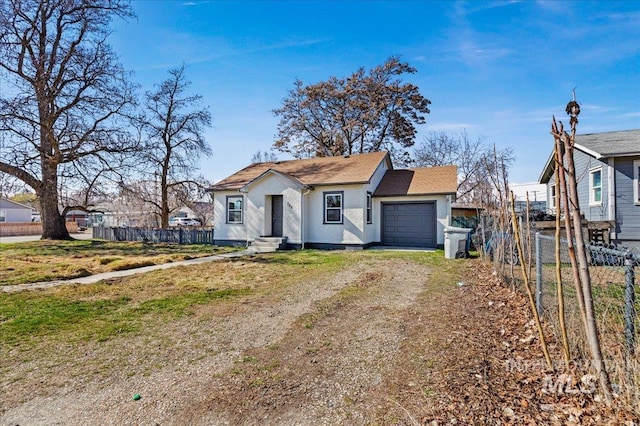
538	274
629	302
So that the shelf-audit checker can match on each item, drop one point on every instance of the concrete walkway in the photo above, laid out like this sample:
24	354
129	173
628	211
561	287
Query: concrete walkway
91	279
24	238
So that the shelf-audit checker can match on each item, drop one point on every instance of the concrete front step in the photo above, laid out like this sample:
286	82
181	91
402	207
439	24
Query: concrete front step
268	244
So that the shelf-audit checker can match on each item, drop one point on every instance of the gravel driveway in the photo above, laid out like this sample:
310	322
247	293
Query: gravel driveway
380	342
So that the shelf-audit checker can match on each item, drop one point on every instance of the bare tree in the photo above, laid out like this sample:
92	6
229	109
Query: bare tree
365	112
200	202
477	161
173	129
263	157
62	97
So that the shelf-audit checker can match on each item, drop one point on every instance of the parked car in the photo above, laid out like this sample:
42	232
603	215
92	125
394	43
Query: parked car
184	221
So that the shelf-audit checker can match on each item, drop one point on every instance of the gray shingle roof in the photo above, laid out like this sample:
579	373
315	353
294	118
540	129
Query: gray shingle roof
621	143
610	144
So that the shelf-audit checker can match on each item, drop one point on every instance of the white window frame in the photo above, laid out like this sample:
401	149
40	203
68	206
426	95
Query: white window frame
340	208
3	215
552	196
369	208
230	210
592	187
636	182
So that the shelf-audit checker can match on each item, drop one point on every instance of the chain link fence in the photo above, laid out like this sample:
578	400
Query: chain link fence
613	270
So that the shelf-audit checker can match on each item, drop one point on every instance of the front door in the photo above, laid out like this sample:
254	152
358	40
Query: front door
276	215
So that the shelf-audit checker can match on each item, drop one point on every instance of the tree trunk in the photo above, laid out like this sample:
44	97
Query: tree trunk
164	195
53	224
560	290
591	325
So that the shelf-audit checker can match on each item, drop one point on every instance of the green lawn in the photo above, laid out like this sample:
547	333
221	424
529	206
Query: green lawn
101	311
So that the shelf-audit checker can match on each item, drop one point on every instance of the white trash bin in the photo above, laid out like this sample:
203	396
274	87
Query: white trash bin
456	242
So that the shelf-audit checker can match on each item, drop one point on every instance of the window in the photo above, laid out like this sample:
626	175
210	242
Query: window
369	206
636	182
234	209
595	186
333	207
3	216
552	197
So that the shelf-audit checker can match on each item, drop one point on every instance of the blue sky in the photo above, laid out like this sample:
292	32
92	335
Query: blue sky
500	70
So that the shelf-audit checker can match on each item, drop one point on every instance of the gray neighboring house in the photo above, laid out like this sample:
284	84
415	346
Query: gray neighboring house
608	173
10	211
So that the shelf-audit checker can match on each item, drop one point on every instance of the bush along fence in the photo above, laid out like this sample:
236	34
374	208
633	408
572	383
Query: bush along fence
154	235
613	271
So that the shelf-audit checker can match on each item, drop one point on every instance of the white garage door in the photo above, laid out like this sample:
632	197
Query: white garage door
409	224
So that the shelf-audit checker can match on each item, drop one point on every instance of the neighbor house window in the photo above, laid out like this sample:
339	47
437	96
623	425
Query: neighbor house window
3	216
552	197
234	209
636	181
595	186
333	207
369	207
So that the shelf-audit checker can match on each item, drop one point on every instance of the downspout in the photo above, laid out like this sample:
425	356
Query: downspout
245	206
305	190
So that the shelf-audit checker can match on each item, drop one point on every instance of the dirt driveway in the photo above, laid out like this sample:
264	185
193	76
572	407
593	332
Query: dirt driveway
388	341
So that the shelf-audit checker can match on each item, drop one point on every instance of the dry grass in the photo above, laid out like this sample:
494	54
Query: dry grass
58	260
299	337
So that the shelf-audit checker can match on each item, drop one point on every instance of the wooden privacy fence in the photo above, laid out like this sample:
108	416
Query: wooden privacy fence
8	229
154	235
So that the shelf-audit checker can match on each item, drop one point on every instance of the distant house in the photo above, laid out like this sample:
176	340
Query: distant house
10	211
608	173
536	194
335	202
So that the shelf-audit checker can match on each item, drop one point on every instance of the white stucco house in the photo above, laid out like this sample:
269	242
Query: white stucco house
335	202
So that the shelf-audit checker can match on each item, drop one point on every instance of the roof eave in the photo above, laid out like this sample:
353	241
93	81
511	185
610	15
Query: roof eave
264	174
548	169
588	151
421	194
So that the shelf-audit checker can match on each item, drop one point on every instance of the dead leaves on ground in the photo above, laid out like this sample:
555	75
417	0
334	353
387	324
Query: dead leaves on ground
496	373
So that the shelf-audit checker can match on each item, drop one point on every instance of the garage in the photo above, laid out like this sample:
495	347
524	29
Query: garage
409	224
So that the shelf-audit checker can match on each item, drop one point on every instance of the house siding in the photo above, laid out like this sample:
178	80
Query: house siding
584	165
223	231
15	212
371	230
351	231
627	212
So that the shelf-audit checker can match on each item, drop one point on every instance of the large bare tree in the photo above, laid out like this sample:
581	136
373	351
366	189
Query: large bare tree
61	97
365	112
477	161
172	128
